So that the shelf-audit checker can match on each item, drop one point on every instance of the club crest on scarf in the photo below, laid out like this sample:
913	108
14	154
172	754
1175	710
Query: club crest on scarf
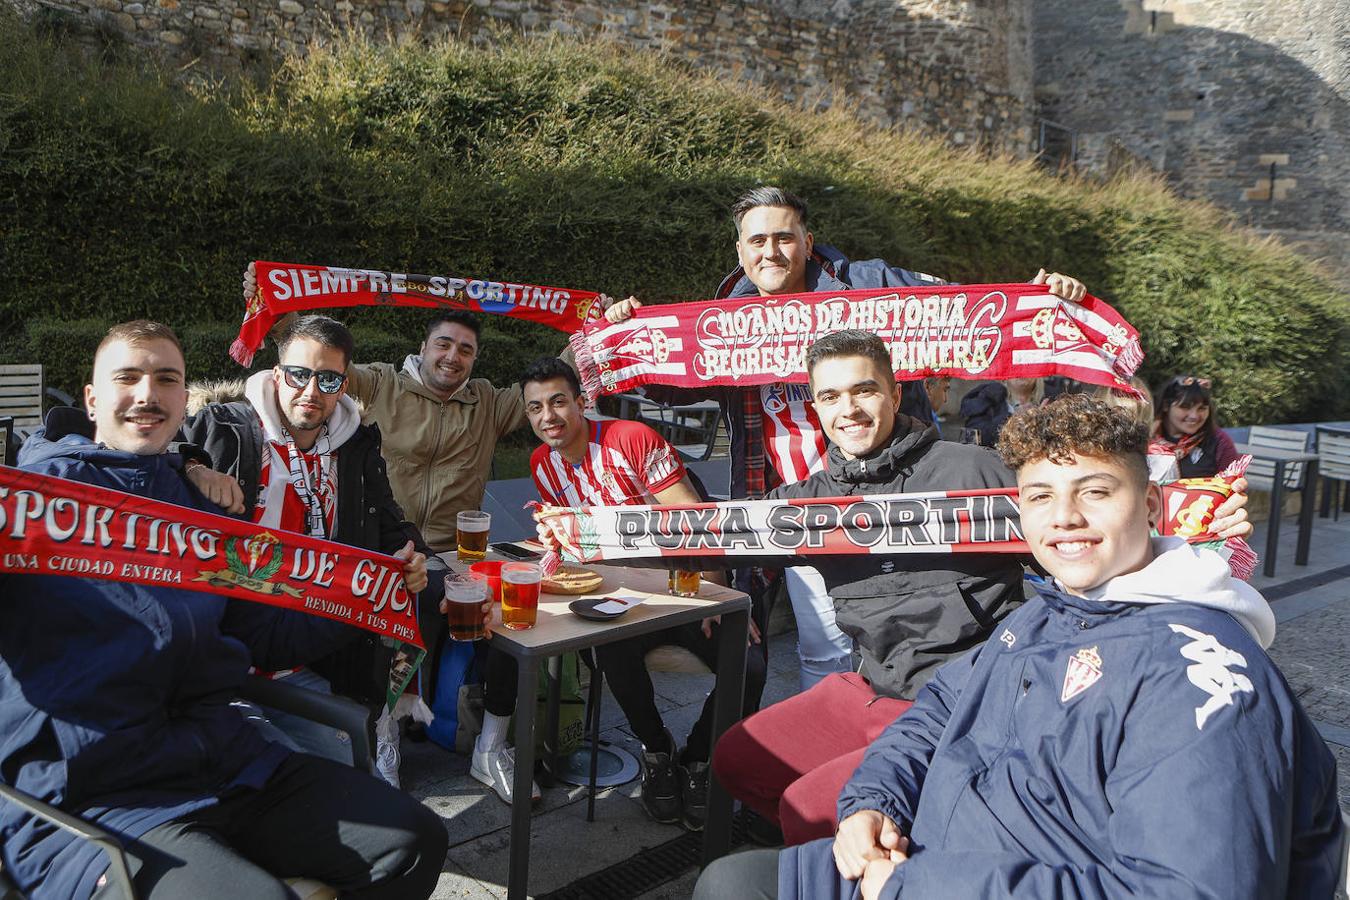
1085	669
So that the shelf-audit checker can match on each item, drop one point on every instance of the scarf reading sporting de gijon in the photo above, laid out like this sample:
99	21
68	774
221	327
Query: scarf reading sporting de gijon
53	526
285	288
992	331
986	521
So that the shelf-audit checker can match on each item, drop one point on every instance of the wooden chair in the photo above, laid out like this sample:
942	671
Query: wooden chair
1333	451
22	398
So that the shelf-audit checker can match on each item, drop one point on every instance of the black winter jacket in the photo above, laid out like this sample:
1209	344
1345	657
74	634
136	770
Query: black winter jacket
909	614
367	516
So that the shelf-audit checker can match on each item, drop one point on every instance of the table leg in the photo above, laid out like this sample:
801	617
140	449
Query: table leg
593	725
726	710
518	874
1305	513
1326	499
1273	531
554	679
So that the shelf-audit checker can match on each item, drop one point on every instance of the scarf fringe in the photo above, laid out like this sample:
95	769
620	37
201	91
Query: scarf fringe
1129	360
241	353
587	372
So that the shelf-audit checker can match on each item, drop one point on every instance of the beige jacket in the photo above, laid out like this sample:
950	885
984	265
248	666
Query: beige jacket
439	454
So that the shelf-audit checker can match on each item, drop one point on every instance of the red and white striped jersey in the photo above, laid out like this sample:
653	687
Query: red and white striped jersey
794	443
625	463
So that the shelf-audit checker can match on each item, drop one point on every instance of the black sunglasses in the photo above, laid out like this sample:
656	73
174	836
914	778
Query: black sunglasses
298	377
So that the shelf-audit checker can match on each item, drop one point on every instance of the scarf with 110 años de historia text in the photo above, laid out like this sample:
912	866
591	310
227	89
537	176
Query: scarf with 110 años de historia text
54	526
967	331
982	521
285	288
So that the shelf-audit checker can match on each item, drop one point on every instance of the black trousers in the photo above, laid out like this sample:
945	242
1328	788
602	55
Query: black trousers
626	672
314	818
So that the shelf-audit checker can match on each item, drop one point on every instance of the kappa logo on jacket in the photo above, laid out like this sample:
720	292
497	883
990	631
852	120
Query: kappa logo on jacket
1209	672
1084	670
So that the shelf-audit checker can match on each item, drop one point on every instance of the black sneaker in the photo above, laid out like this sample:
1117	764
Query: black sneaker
660	783
694	794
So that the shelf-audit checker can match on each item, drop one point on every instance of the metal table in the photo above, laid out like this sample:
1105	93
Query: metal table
1282	458
558	630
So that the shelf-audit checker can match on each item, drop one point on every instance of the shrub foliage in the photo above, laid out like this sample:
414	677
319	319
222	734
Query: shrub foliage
124	193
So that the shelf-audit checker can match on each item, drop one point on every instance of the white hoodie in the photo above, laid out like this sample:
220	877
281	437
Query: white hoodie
1181	573
261	392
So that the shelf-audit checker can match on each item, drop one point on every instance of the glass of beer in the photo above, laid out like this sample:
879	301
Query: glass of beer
520	594
683	583
471	534
464	596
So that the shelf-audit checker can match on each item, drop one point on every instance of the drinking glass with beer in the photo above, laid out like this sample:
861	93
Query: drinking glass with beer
471	534
520	594
464	596
682	582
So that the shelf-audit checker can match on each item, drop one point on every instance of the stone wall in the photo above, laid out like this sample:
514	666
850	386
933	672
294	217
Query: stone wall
958	68
1241	102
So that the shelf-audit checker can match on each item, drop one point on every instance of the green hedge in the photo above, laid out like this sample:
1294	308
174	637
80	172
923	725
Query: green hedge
573	164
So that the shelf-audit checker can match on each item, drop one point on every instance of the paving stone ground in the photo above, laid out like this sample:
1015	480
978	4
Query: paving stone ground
1312	647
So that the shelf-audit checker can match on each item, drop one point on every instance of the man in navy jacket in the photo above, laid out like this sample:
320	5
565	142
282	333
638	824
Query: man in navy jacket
1125	734
115	700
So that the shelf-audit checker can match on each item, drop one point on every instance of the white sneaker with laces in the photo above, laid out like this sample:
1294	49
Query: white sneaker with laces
387	759
497	770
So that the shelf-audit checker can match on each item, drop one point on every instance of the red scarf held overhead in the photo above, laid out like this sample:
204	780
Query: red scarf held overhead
992	331
53	526
290	287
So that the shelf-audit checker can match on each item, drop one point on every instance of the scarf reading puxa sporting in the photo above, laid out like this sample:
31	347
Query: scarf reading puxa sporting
288	287
966	331
983	521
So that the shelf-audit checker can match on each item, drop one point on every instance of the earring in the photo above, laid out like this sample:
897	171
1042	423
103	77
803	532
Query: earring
90	414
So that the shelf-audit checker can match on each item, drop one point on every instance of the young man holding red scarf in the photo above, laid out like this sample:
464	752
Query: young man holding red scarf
303	462
115	699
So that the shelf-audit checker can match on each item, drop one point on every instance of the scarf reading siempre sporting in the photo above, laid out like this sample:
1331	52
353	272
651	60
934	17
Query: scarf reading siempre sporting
53	526
288	287
985	521
967	331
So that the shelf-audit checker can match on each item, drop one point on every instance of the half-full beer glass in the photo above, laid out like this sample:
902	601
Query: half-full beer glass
471	534
683	583
464	596
520	594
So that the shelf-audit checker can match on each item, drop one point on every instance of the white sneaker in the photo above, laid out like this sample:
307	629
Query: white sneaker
387	758
497	770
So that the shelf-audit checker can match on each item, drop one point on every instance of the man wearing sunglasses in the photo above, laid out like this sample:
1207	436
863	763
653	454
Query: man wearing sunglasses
305	463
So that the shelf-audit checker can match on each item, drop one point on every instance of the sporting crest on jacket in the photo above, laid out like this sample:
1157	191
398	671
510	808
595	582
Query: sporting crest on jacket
1085	668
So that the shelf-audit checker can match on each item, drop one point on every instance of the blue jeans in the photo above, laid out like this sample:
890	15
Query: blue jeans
821	647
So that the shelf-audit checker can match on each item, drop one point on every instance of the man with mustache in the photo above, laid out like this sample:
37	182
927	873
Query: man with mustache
304	462
115	699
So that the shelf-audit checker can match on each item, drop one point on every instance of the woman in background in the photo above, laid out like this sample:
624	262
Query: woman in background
1184	426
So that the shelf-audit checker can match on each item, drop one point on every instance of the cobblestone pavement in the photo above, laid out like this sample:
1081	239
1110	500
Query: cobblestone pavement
1312	647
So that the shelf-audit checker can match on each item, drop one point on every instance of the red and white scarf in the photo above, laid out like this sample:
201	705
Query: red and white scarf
967	331
53	526
290	287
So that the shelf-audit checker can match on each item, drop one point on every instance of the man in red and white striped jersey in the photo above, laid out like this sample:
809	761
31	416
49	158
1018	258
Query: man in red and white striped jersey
613	462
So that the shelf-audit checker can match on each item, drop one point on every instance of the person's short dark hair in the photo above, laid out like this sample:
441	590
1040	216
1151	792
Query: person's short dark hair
849	343
767	196
1074	424
1186	390
454	317
139	331
547	368
328	332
